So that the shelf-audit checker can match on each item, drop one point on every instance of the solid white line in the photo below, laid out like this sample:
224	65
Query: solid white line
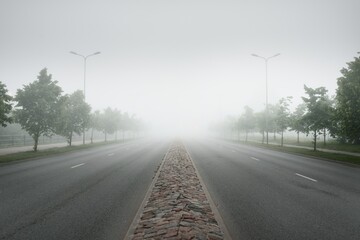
111	154
79	165
311	179
255	159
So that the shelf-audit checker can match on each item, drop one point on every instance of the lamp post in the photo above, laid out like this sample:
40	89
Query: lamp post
85	58
266	85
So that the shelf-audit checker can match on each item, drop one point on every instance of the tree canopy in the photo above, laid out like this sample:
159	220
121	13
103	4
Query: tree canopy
111	120
5	106
38	106
247	121
318	112
282	116
348	103
296	120
74	115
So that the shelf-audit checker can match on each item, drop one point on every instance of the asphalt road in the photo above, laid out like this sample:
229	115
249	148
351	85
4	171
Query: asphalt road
263	194
90	194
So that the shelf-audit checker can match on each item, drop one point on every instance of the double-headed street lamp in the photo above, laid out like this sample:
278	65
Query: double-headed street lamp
85	58
266	84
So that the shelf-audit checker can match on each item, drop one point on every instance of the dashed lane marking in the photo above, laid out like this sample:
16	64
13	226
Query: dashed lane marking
79	165
308	178
253	158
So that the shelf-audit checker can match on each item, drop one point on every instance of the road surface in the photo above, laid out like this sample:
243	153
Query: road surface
89	194
263	194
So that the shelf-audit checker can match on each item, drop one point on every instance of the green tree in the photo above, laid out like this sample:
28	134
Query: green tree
5	106
74	115
95	123
117	121
282	116
238	128
296	120
247	121
38	106
348	103
328	117
134	125
261	123
125	124
271	119
110	121
318	115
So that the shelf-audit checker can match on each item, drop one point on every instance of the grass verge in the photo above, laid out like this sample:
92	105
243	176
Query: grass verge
318	154
330	144
50	151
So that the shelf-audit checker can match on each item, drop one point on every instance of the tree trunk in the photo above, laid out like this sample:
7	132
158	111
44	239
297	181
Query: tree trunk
70	139
315	137
282	138
123	135
92	135
263	137
36	141
324	136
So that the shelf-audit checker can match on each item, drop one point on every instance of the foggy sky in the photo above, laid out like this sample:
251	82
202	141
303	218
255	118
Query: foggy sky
179	63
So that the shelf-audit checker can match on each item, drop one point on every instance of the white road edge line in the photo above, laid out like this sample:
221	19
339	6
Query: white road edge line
255	159
311	179
111	154
79	165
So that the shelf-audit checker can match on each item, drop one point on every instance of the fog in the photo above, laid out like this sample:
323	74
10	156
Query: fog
179	65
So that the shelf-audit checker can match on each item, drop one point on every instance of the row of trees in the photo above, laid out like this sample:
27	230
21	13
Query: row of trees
318	114
111	121
42	109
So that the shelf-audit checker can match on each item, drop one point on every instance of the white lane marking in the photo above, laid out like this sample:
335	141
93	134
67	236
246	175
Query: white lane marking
111	154
79	165
311	179
255	159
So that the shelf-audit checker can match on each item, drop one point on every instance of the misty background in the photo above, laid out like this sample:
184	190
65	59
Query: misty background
179	64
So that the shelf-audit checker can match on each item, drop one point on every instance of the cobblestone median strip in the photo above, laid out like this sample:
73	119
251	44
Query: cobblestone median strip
177	207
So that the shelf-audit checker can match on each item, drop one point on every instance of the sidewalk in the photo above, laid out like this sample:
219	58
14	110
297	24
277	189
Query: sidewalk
9	150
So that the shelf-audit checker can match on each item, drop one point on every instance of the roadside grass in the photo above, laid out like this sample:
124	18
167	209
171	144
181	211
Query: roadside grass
342	147
51	151
307	152
330	144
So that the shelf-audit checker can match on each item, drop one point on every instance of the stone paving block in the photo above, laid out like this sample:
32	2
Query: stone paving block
177	207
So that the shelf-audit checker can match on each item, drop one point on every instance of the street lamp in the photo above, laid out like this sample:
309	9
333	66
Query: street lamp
266	84
85	58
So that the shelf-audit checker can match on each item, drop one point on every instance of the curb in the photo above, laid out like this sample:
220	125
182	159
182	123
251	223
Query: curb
136	220
216	212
